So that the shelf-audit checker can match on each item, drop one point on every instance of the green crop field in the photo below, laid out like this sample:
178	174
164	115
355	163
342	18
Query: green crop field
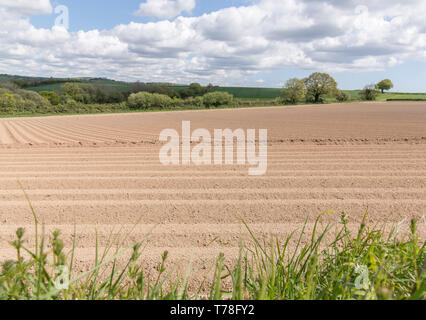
48	87
243	92
354	94
251	93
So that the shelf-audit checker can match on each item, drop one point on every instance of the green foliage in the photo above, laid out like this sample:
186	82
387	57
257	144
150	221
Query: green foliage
195	90
153	88
88	93
342	96
7	102
216	99
14	100
373	265
161	101
250	93
369	93
198	101
385	85
145	100
177	102
37	82
329	263
73	91
320	85
294	91
9	86
52	96
140	100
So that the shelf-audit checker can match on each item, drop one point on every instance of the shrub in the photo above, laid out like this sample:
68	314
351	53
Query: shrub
3	91
161	101
176	102
53	97
34	97
216	99
145	100
342	96
194	102
369	93
199	101
71	104
11	86
140	100
7	102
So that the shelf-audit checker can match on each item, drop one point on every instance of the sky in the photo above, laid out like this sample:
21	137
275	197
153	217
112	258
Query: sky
260	43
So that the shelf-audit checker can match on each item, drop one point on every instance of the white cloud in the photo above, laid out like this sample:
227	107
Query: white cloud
27	7
223	46
165	9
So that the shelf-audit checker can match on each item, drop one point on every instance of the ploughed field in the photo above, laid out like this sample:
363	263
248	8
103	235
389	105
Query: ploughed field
102	173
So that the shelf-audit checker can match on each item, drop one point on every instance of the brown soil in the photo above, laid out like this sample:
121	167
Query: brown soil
103	171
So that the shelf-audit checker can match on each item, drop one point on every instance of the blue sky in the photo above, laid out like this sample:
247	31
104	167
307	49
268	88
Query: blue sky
256	43
106	14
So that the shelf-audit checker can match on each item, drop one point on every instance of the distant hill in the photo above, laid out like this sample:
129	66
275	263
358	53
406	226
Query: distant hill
54	84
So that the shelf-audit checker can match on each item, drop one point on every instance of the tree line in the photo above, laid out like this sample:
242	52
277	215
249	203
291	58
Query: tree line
85	97
319	86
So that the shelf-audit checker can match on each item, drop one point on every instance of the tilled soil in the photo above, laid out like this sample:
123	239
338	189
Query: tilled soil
102	172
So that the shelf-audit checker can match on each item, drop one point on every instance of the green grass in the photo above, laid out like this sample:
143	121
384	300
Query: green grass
354	94
370	264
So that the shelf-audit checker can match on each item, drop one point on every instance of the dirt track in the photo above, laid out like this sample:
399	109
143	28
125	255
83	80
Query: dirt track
103	171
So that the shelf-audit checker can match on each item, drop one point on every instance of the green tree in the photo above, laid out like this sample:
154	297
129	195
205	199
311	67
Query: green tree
319	85
369	92
51	96
196	88
385	85
294	91
342	96
74	91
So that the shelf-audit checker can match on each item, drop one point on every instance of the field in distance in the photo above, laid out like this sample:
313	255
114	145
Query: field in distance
251	93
